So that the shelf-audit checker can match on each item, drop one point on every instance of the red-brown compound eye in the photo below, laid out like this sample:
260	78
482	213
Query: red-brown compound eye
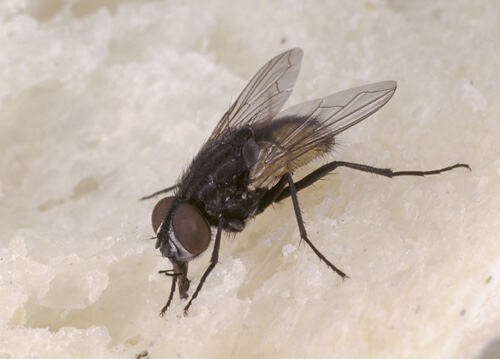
160	212
191	228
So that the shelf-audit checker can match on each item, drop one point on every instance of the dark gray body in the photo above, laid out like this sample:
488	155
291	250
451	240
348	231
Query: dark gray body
218	180
248	160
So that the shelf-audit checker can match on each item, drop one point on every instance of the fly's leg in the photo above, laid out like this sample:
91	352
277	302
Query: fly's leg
213	262
171	295
302	229
178	272
387	172
165	190
272	195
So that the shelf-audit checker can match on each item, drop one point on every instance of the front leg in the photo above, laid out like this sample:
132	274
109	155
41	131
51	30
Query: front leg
213	262
179	271
302	228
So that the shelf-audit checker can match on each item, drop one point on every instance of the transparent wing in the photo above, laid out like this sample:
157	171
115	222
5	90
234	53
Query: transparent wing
265	94
305	131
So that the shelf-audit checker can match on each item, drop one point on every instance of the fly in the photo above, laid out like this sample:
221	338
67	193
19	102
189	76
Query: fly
248	161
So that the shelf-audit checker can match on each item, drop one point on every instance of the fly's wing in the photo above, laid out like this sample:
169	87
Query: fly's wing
265	94
305	131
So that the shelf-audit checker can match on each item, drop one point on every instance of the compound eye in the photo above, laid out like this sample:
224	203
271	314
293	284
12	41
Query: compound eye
191	228
160	212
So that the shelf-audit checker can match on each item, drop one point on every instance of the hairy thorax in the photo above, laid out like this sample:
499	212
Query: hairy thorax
218	182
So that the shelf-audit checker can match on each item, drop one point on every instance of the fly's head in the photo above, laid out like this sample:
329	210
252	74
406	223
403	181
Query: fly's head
182	230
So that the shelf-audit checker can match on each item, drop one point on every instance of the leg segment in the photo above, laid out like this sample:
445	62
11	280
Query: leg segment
272	195
213	262
171	295
302	229
179	271
387	172
165	190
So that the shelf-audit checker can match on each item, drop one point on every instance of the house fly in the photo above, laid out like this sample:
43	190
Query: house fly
248	161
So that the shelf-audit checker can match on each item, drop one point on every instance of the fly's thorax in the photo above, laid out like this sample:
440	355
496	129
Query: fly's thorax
182	230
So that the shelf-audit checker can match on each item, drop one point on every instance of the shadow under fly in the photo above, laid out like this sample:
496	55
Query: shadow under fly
248	161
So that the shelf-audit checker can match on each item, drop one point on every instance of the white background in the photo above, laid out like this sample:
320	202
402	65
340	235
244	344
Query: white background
102	102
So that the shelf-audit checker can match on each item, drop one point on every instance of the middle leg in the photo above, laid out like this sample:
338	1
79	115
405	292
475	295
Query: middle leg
302	228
